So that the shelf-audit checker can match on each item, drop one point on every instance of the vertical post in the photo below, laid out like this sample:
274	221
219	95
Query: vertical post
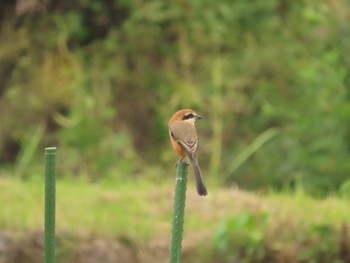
178	213
50	204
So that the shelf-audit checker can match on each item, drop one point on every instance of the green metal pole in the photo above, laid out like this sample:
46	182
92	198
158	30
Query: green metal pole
50	205
178	213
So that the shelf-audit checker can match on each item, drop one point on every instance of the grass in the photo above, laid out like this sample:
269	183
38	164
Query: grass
142	208
107	208
227	224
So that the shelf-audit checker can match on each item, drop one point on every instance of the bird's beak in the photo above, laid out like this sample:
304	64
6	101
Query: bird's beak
198	117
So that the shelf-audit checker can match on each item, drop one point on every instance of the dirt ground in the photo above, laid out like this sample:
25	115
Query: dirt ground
28	248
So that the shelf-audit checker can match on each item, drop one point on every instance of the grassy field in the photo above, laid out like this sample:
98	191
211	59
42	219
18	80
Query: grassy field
141	209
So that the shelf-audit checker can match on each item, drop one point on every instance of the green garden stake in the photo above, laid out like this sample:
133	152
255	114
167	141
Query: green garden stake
50	205
179	211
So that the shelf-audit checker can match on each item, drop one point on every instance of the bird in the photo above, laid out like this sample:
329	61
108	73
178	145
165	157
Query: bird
183	137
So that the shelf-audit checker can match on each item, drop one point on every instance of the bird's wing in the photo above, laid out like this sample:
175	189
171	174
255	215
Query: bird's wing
185	134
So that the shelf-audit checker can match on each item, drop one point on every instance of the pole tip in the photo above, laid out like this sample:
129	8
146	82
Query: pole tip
50	150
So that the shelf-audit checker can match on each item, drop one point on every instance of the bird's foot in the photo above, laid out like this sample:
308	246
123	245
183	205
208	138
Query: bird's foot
181	161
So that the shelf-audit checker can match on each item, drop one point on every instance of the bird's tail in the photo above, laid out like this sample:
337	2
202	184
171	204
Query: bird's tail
201	189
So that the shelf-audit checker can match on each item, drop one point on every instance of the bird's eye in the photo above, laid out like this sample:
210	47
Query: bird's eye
188	116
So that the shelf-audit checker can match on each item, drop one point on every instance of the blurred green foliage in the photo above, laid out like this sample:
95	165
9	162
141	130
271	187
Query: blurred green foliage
245	238
103	77
326	251
241	239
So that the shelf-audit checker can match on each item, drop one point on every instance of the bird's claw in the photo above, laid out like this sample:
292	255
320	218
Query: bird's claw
182	160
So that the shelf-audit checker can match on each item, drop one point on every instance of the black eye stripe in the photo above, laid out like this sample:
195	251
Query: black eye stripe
188	116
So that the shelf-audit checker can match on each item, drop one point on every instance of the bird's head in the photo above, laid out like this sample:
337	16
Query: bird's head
186	115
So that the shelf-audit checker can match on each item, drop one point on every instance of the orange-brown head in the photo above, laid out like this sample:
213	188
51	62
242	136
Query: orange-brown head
187	115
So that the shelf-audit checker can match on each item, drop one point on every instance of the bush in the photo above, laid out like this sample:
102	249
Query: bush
93	73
